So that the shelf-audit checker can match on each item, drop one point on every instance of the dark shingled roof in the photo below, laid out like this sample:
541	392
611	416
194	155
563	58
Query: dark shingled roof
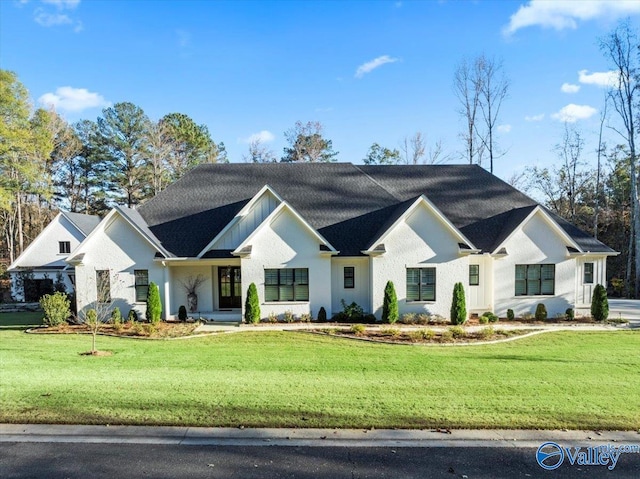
85	223
350	205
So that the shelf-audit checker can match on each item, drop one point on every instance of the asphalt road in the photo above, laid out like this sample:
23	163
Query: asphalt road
109	461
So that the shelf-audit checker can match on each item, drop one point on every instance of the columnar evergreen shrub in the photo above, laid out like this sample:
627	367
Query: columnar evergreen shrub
510	315
541	312
390	304
252	305
322	315
116	316
570	314
599	303
182	313
458	305
132	317
154	307
56	308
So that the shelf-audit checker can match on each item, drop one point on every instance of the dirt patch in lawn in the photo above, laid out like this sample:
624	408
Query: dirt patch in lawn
130	329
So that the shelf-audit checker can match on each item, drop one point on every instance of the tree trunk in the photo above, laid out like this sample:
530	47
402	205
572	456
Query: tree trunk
20	231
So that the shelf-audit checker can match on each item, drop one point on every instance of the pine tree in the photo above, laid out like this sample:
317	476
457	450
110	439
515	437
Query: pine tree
390	304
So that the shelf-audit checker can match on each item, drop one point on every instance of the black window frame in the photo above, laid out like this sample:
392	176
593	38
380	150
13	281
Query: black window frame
141	288
424	283
349	277
295	280
474	277
103	291
534	280
588	271
64	247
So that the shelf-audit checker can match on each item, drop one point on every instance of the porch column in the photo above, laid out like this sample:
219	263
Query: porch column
167	292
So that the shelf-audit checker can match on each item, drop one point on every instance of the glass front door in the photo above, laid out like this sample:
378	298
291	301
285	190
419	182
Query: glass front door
229	287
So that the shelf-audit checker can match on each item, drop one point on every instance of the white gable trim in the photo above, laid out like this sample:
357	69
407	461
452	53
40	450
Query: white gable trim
422	199
242	213
554	226
77	255
274	214
38	240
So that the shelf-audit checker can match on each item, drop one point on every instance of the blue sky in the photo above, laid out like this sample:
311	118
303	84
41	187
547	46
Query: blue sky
369	71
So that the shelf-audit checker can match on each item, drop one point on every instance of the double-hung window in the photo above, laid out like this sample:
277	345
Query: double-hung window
535	279
421	284
349	277
142	285
588	273
474	274
287	284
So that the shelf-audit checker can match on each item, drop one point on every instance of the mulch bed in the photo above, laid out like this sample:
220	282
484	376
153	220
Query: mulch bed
139	330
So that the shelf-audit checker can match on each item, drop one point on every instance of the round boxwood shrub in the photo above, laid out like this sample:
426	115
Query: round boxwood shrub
541	312
510	315
252	305
458	305
570	314
390	304
322	315
182	313
599	303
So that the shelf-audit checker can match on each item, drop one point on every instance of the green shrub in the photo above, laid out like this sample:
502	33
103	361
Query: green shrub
541	312
252	305
423	319
91	318
358	328
322	315
132	316
273	318
457	332
353	311
154	307
599	303
182	313
306	317
56	308
116	317
393	332
486	333
446	336
569	314
288	316
510	315
408	318
458	305
390	304
483	319
340	318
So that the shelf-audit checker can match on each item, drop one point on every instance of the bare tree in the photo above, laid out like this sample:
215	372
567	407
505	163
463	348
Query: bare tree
413	148
602	147
466	85
160	147
259	153
621	47
570	178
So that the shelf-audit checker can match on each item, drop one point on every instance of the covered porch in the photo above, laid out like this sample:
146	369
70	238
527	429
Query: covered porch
210	289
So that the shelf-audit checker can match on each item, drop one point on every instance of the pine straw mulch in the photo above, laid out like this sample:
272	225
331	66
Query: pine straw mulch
163	330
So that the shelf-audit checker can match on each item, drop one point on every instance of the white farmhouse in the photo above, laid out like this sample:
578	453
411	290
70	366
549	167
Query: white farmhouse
312	235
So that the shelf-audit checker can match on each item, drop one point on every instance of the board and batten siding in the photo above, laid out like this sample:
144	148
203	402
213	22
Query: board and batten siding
286	243
481	296
360	293
121	250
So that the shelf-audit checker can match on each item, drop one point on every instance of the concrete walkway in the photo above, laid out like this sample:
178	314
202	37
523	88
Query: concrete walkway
193	436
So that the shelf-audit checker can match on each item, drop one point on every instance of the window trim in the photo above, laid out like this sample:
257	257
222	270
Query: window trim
137	286
280	284
476	275
591	272
64	247
540	280
420	286
351	277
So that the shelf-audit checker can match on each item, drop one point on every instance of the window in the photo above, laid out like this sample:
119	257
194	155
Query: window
64	247
588	273
349	277
142	285
103	286
474	274
535	279
421	284
287	284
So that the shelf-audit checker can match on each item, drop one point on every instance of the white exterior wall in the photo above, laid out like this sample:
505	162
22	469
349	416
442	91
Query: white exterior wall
420	241
121	250
360	293
248	223
481	296
584	291
536	243
205	291
44	253
286	243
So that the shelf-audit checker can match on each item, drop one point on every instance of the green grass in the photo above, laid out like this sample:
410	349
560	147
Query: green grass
575	380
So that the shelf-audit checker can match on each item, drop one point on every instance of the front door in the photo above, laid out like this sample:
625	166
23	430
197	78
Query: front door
229	287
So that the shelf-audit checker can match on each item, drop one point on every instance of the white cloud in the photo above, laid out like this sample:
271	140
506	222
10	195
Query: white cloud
563	14
373	64
73	99
603	79
51	19
63	4
504	128
264	136
570	88
539	117
572	113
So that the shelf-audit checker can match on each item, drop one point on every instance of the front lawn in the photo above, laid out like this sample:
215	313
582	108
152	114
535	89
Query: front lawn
575	380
